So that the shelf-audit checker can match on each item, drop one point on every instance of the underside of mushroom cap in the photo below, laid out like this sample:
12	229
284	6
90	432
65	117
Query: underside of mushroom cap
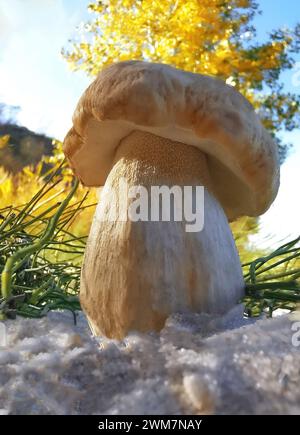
190	108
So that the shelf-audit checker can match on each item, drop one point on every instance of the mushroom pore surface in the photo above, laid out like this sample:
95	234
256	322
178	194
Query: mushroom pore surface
135	274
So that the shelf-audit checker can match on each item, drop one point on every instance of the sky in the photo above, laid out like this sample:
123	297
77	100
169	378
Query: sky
35	77
33	74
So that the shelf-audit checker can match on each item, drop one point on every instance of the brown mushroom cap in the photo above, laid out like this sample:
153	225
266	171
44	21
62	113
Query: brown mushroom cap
190	108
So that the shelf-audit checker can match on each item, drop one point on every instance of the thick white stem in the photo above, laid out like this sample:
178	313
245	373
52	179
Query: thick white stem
135	274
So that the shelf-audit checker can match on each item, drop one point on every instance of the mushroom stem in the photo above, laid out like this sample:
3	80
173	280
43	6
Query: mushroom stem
136	273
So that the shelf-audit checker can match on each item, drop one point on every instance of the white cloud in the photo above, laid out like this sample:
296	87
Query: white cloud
282	221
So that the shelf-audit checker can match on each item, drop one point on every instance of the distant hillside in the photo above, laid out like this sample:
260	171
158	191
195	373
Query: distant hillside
23	148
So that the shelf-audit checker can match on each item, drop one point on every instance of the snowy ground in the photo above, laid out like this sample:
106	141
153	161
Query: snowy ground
196	365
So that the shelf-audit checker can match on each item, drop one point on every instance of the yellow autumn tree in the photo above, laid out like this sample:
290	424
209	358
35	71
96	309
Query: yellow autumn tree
214	37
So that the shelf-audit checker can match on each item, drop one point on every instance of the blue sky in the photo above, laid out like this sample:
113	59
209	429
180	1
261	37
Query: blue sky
35	77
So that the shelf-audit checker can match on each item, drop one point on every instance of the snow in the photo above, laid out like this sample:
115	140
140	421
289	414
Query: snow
198	364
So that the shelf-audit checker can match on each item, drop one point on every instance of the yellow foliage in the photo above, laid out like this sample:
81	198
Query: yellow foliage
4	140
190	34
17	190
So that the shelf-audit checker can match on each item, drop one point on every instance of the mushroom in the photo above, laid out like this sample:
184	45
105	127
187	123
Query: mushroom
154	125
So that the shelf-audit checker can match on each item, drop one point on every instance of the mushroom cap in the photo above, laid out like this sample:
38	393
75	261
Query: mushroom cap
194	109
